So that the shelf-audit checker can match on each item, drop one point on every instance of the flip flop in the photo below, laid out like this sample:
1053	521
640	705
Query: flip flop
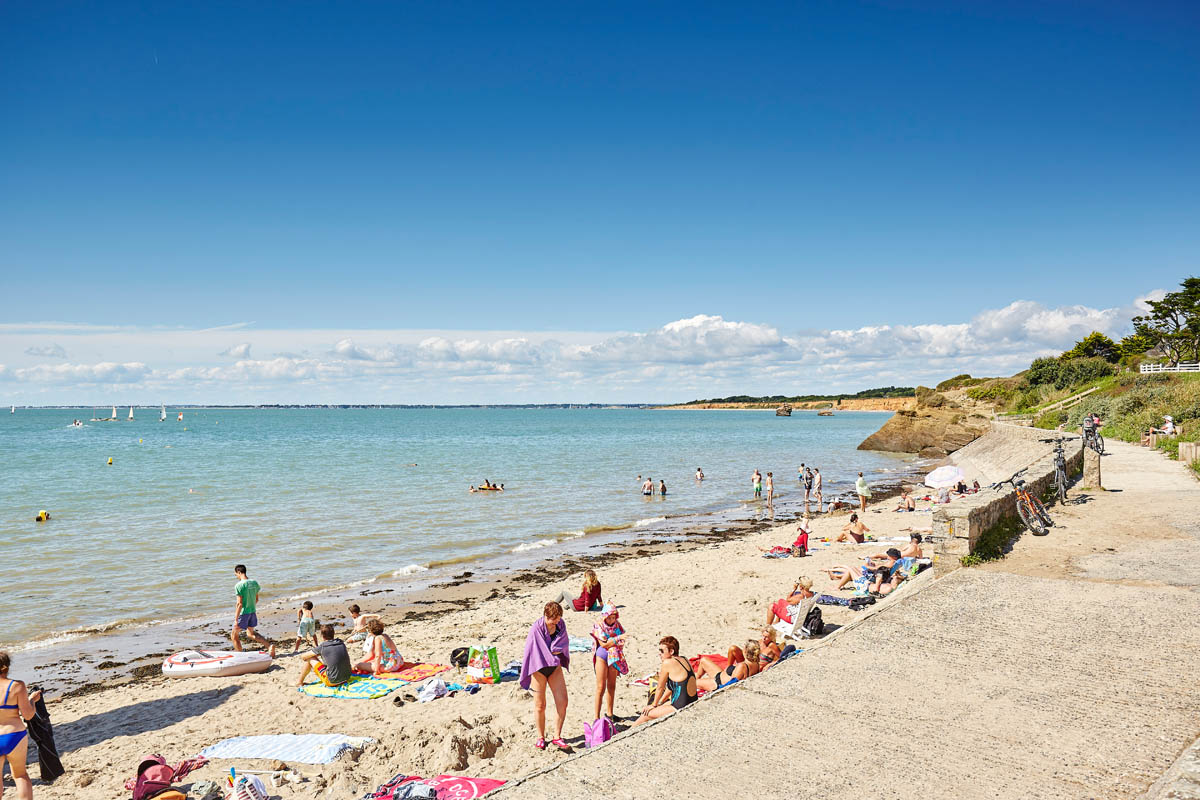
540	744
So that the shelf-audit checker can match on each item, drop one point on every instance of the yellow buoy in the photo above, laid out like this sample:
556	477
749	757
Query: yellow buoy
42	516
110	461
139	441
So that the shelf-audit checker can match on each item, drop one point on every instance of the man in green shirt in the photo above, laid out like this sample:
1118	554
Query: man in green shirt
246	615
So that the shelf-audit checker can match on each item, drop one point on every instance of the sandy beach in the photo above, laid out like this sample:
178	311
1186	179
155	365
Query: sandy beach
710	594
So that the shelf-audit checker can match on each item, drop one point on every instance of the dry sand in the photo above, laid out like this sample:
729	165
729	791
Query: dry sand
710	597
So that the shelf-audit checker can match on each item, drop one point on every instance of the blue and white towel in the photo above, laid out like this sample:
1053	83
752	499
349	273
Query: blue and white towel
308	748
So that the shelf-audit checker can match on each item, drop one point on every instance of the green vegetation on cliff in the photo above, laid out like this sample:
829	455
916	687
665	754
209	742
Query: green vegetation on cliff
886	391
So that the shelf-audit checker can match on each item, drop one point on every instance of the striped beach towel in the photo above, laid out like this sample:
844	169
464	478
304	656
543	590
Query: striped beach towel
308	748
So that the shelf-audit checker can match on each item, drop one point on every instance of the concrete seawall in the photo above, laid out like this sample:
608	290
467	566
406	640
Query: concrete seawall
996	455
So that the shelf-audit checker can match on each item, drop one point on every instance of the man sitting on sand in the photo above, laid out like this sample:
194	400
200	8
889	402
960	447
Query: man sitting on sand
332	662
854	531
913	548
906	501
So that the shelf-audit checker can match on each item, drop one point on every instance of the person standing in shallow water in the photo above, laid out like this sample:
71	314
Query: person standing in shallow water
756	480
662	488
770	487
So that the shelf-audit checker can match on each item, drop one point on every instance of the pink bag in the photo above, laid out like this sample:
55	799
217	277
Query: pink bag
598	732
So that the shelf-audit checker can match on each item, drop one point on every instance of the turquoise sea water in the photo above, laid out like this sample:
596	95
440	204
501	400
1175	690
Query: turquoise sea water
312	498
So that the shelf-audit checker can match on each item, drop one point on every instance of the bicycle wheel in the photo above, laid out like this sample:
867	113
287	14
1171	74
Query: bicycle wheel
1060	485
1041	511
1099	444
1031	520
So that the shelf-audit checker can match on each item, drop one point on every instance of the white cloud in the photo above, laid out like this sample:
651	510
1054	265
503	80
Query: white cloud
46	351
703	355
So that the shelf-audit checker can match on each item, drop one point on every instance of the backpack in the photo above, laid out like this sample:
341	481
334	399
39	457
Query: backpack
154	776
813	624
459	656
598	732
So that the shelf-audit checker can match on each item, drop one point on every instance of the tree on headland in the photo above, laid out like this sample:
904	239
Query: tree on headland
1095	345
1173	324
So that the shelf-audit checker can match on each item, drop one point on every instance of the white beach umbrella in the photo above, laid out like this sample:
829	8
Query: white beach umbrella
942	477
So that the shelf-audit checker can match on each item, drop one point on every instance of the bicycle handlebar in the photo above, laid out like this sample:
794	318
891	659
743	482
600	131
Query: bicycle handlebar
1011	480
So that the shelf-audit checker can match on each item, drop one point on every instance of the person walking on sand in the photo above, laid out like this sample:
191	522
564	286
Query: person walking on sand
756	479
246	615
817	481
864	492
306	625
16	708
770	488
547	655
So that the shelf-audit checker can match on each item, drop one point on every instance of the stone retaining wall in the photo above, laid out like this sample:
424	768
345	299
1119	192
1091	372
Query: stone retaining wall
958	526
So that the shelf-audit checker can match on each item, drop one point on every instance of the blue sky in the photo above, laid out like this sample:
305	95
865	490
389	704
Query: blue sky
580	173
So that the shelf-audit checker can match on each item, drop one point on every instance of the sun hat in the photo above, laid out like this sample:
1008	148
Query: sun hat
608	610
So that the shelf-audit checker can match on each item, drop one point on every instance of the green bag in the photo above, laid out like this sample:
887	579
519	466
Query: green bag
483	663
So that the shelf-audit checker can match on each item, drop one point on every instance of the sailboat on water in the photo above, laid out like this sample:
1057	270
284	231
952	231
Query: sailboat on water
162	413
114	413
131	413
13	410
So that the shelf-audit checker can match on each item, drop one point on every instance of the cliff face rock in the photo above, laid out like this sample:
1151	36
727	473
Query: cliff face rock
931	432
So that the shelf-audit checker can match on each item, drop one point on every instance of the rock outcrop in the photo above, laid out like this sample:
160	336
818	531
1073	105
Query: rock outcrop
934	428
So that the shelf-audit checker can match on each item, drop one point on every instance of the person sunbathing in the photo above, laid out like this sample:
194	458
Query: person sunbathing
768	650
842	575
854	531
676	683
913	548
741	665
881	566
906	502
383	655
797	602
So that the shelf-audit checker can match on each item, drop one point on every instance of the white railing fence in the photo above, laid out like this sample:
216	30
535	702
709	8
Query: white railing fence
1183	366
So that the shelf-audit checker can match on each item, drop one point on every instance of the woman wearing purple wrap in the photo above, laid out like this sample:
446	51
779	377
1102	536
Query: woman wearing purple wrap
547	654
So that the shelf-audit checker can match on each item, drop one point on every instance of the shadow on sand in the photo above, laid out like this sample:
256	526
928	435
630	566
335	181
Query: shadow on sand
137	718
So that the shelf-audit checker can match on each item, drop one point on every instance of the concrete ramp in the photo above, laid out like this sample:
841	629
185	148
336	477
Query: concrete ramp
1002	451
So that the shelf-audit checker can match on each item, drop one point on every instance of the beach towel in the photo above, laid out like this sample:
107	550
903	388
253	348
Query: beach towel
544	650
449	787
357	688
308	748
410	673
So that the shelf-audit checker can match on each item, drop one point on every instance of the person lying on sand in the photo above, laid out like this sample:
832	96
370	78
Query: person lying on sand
841	575
884	568
676	683
329	660
906	502
742	664
854	531
383	655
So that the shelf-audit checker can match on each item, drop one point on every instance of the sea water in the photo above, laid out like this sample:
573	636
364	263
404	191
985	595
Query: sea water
312	498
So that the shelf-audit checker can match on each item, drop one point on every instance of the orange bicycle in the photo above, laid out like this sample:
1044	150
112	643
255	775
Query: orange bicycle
1031	511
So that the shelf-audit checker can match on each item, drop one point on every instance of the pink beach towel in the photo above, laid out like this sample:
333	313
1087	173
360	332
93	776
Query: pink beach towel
412	672
449	787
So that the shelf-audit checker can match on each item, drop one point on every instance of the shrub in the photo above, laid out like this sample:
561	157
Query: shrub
1050	419
1043	370
1081	370
929	398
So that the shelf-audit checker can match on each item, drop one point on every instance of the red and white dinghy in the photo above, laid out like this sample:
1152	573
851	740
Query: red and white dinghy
215	663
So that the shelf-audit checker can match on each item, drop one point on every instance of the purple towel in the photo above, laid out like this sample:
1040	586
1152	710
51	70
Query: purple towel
544	650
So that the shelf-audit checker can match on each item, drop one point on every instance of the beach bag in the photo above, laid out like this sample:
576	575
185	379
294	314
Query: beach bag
598	732
154	776
859	603
813	624
458	656
483	663
248	787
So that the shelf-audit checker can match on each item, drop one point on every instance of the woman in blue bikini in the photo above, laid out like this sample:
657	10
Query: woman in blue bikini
15	708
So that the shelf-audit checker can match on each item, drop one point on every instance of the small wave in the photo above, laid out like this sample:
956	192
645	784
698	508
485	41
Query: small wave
641	523
411	569
526	546
573	534
605	528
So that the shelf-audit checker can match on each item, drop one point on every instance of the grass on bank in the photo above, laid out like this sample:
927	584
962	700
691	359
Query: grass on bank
995	542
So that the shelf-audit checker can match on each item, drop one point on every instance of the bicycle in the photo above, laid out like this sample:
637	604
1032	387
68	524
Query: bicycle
1092	438
1060	466
1031	511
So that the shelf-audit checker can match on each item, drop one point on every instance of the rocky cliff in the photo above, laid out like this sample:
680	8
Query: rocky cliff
936	427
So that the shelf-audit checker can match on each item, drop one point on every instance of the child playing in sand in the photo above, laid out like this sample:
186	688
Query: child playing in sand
306	625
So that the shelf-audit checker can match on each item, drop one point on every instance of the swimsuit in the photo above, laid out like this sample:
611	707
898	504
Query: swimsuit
9	741
389	659
679	696
548	671
307	627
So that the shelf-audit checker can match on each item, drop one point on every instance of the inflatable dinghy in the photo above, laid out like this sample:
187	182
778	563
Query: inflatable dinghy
215	663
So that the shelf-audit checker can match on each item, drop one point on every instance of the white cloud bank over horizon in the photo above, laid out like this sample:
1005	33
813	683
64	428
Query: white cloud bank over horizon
702	356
